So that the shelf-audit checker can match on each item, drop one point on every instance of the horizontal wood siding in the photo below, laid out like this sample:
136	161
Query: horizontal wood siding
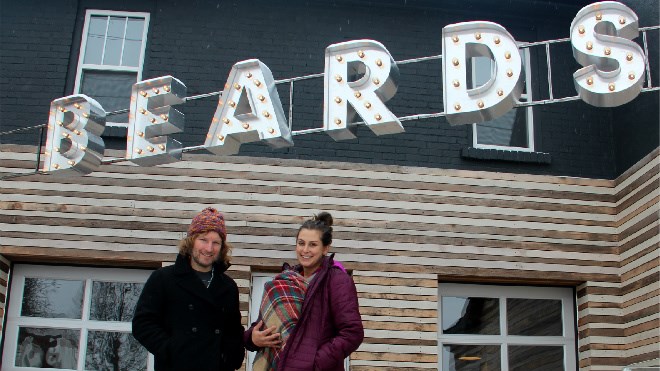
399	229
638	213
400	314
618	321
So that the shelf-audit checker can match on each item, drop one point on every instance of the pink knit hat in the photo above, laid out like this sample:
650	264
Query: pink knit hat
208	220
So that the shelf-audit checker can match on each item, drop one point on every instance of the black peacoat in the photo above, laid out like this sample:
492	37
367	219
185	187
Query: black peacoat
187	326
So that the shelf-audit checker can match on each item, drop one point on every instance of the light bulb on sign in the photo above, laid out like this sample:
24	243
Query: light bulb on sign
609	58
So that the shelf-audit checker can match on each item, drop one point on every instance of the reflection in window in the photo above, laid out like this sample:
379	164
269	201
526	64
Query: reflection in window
508	130
52	298
471	358
512	130
47	348
119	351
537	358
512	328
110	89
114	301
470	316
73	318
534	317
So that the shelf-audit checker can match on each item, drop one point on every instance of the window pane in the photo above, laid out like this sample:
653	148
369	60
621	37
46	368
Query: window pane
537	358
509	130
47	348
470	316
94	49
471	358
114	301
134	29
482	71
115	41
111	89
117	27
114	351
52	298
97	26
95	40
131	56
112	54
534	317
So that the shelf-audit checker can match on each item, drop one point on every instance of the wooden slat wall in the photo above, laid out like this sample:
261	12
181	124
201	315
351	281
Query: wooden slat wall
400	230
638	211
242	274
618	321
399	311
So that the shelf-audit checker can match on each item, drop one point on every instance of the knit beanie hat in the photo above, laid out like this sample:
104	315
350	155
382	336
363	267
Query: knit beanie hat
208	220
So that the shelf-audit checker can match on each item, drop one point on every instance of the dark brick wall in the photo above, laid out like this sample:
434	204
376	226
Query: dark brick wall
199	41
35	45
637	124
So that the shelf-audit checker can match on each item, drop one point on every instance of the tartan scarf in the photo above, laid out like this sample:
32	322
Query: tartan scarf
280	307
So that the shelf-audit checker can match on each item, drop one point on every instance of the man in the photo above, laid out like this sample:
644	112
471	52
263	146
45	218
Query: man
188	314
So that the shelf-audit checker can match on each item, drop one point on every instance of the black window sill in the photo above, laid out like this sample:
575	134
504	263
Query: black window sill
472	153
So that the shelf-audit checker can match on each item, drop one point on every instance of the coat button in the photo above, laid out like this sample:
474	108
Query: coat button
194	329
190	306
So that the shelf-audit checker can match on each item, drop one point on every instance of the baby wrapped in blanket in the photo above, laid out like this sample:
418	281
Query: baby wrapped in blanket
280	307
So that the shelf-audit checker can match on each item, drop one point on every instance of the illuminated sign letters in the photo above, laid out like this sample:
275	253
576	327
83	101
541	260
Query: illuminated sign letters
152	118
249	110
613	65
359	77
460	43
73	140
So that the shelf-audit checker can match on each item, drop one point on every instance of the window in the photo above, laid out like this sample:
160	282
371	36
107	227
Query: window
257	292
514	130
506	328
74	319
111	59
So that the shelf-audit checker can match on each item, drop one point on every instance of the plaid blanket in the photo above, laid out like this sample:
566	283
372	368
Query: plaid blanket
280	307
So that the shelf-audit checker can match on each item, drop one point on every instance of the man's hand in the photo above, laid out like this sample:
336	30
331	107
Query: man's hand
266	338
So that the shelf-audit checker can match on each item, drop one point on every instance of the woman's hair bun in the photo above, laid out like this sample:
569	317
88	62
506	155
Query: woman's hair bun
324	217
321	222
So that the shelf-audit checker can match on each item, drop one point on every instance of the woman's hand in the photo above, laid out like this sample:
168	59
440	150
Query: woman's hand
266	338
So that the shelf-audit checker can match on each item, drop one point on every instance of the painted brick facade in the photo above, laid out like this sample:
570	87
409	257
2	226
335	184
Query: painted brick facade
199	43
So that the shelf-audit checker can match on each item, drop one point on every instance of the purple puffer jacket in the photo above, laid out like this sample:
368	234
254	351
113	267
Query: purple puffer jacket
329	328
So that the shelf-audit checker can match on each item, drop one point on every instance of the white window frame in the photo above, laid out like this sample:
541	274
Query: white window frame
87	274
567	340
256	293
526	96
82	67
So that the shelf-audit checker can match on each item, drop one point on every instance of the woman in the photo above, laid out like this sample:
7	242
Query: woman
188	314
329	327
